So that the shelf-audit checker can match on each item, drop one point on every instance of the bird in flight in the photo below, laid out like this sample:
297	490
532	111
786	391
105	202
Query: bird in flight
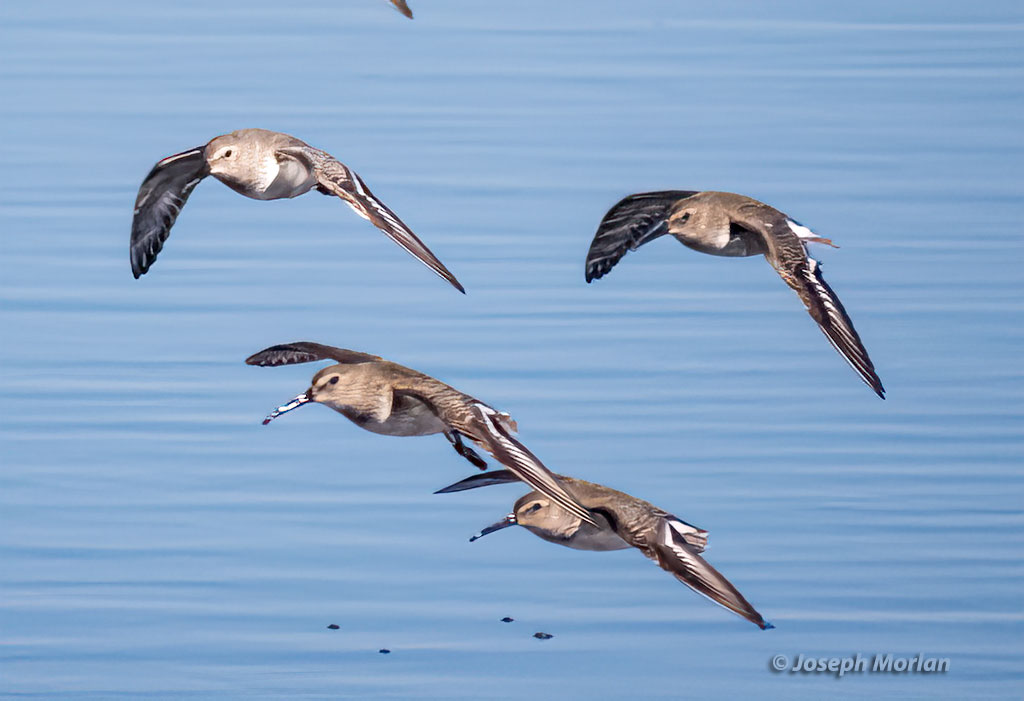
727	224
623	521
391	399
262	165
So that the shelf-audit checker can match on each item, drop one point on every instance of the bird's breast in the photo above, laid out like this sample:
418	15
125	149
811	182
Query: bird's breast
288	178
586	537
713	240
265	178
590	538
403	421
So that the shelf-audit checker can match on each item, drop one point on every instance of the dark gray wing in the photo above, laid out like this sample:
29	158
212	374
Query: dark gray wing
628	225
672	551
162	195
788	255
484	479
335	178
306	352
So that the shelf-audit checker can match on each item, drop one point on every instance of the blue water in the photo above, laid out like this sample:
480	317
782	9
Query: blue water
157	542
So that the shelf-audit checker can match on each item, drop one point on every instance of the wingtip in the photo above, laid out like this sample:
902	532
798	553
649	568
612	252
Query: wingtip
442	272
402	7
766	626
595	272
139	267
259	358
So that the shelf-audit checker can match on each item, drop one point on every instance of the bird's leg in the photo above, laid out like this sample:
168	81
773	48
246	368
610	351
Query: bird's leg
464	450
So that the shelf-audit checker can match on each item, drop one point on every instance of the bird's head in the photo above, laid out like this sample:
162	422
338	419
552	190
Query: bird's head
544	517
330	386
223	155
539	515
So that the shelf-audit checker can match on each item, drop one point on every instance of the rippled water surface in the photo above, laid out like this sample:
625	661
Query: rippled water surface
157	541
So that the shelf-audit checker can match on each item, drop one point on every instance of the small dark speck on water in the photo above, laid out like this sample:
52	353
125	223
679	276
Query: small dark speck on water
543	636
334	626
384	651
507	619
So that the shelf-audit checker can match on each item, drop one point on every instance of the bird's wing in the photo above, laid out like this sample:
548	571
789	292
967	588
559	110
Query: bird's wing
402	7
788	254
336	178
628	225
162	195
695	537
675	554
483	479
306	352
493	432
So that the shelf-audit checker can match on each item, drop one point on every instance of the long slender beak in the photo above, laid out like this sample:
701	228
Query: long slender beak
509	520
303	398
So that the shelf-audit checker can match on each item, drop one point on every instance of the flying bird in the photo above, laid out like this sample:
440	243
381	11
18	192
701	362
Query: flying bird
623	521
263	165
726	224
388	398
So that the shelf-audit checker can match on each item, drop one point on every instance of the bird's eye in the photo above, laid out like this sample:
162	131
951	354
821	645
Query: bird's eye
682	219
227	154
333	380
532	509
